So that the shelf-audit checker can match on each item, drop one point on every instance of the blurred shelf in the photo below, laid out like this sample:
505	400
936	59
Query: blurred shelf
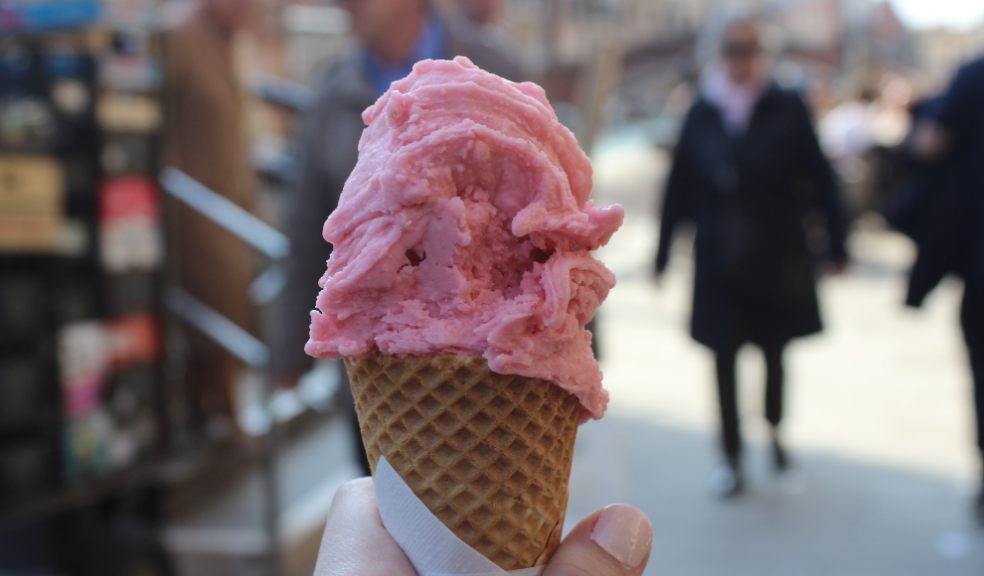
40	262
22	431
77	495
12	346
216	459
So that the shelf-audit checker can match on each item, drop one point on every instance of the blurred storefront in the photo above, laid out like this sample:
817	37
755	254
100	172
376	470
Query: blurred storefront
104	467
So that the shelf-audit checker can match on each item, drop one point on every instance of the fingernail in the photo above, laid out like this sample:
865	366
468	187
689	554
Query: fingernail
624	533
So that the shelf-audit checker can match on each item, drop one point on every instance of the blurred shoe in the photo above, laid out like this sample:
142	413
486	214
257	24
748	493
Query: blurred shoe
780	460
726	481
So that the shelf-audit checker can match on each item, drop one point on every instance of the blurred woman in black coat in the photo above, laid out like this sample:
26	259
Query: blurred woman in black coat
748	173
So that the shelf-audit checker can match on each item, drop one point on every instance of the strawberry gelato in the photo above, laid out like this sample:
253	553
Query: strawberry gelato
466	228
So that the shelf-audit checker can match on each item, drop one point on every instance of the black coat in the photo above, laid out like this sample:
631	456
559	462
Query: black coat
958	188
750	198
963	116
932	212
949	216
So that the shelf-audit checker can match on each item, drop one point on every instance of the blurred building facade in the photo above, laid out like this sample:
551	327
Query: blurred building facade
942	49
838	44
835	47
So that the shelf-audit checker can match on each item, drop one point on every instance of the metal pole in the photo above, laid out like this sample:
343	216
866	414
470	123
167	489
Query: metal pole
274	245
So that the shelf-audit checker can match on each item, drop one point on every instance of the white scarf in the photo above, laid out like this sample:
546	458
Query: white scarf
736	102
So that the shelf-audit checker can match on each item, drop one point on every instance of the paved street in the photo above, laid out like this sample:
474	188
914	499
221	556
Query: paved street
879	421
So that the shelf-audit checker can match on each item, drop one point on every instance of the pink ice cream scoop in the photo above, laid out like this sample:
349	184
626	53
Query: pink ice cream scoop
466	228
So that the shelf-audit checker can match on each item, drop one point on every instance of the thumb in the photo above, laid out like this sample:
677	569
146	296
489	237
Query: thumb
615	541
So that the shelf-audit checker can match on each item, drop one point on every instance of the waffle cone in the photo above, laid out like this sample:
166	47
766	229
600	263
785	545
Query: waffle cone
489	454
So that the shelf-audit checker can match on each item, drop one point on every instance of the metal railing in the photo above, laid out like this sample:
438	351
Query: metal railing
253	352
254	232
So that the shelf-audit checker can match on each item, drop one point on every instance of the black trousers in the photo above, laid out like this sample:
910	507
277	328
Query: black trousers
972	321
727	384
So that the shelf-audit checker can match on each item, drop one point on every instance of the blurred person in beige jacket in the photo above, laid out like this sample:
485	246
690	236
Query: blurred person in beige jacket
206	138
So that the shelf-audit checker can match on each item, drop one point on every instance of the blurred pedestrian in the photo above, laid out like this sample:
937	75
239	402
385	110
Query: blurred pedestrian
207	139
864	137
747	172
952	234
392	35
846	130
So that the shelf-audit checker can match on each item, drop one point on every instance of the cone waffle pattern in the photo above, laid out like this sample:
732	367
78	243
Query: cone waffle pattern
488	454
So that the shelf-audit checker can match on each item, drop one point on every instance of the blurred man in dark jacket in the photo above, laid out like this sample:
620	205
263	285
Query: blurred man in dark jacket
747	171
393	35
953	234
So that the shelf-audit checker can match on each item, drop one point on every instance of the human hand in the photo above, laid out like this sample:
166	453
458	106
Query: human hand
615	541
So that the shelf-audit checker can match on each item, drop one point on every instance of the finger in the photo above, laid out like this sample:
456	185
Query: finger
615	541
355	542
